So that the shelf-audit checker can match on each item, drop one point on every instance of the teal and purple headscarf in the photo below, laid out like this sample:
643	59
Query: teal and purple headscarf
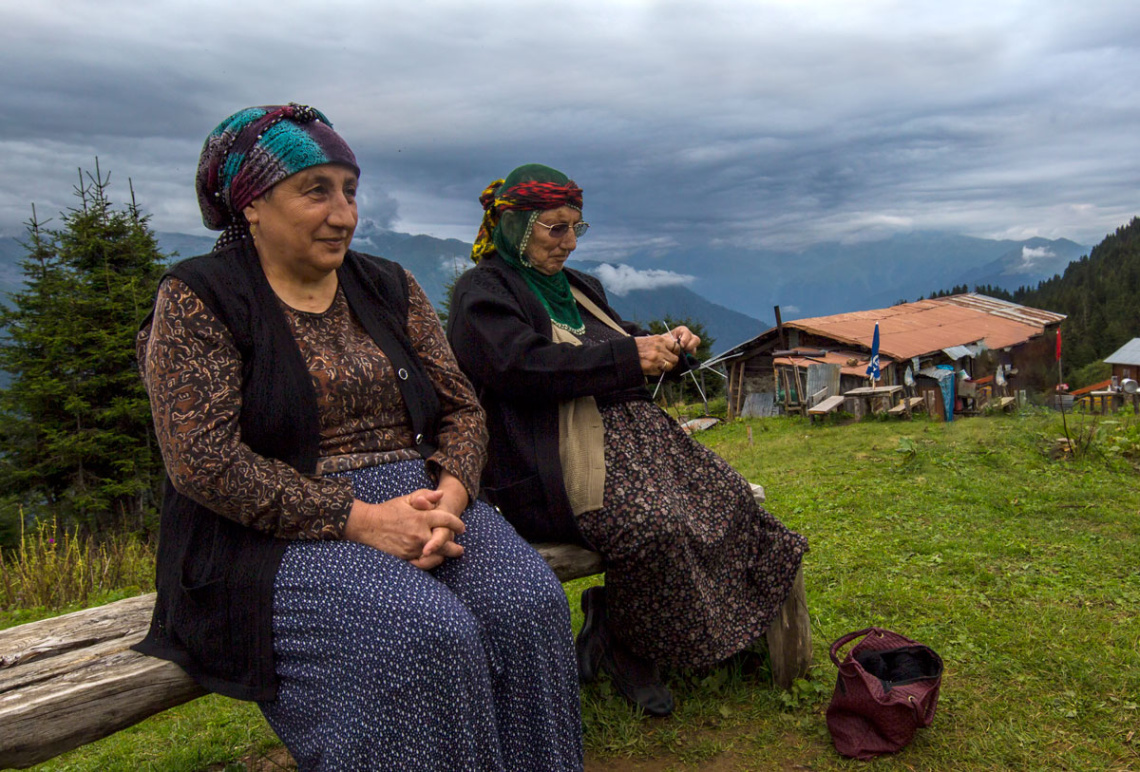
254	149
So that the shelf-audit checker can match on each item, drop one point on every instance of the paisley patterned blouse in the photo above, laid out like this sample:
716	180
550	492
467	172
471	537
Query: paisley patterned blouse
192	372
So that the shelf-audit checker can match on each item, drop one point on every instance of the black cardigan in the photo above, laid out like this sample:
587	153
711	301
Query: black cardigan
214	612
501	335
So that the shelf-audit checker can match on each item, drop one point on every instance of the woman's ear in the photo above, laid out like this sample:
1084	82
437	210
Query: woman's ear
251	215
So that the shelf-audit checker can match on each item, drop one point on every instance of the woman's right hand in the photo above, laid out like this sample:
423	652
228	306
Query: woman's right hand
410	527
657	353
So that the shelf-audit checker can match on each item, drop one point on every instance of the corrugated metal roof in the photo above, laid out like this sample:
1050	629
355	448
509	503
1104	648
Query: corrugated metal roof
912	329
958	352
938	373
1005	309
1128	354
961	352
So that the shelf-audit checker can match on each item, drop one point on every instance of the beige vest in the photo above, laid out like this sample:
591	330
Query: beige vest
581	439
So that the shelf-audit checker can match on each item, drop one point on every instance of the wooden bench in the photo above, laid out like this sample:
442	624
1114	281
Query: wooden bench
907	406
828	405
73	679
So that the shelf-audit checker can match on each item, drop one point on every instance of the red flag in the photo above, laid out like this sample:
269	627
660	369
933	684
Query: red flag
1058	344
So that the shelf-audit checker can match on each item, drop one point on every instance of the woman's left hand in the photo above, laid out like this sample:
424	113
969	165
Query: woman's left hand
689	341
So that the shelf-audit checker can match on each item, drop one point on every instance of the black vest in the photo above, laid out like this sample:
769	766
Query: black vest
214	611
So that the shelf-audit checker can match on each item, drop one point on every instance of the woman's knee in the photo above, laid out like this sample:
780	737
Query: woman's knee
528	593
542	594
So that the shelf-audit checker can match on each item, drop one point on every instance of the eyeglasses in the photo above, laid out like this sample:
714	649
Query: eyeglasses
559	230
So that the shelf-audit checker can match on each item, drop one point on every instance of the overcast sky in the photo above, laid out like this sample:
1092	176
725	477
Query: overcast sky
775	123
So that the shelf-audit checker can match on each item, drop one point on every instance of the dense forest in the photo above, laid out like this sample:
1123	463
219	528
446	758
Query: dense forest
1098	294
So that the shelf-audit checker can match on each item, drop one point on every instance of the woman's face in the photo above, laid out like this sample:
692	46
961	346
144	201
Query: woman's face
545	252
304	224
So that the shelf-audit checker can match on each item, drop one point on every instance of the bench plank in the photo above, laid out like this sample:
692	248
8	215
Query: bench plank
825	407
109	693
51	637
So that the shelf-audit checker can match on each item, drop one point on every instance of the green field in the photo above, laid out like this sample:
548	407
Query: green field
1019	564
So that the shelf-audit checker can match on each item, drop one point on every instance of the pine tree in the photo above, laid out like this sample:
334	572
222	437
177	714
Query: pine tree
444	309
75	432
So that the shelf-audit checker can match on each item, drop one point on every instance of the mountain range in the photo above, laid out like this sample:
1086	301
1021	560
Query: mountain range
727	290
832	278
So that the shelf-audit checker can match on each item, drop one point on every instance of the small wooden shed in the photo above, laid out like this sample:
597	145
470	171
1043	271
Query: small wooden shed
1125	361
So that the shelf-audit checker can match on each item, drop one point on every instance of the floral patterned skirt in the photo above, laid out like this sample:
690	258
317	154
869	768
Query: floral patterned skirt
695	569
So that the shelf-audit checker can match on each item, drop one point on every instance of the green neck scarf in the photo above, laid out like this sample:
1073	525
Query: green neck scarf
553	291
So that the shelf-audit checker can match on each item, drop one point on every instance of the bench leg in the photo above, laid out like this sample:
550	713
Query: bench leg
789	637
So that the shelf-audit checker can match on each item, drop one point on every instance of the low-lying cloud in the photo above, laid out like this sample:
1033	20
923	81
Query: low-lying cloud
1032	255
620	280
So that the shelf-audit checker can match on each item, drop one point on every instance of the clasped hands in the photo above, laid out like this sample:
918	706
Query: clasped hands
419	527
658	354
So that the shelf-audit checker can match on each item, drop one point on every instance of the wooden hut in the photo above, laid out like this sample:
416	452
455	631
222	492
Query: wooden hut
970	333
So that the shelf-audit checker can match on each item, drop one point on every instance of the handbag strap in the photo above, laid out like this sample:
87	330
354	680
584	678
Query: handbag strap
846	639
924	707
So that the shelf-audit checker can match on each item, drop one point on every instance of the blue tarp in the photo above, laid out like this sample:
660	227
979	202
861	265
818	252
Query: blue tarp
948	384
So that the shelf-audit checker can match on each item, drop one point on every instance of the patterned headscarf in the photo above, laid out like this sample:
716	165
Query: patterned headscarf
510	208
254	149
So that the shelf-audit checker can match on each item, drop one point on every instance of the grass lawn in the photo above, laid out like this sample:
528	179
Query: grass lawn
1020	568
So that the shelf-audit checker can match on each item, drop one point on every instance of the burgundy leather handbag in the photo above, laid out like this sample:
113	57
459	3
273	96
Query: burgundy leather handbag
887	688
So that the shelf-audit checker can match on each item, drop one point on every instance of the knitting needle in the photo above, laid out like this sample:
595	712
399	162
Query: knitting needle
681	352
661	378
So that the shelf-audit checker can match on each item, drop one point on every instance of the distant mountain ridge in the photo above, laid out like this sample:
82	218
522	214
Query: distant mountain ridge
1026	264
833	278
729	290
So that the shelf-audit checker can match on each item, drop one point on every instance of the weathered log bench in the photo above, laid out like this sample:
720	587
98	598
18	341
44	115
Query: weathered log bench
71	680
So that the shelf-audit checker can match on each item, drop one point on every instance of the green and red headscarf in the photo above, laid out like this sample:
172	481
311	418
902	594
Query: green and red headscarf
510	208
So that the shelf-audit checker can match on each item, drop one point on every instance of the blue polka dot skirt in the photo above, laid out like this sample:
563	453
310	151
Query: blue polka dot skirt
384	666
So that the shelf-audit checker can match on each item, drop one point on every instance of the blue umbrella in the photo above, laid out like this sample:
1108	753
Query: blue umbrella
873	365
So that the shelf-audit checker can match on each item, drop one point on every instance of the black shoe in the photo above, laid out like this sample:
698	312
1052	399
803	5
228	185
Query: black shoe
637	679
591	642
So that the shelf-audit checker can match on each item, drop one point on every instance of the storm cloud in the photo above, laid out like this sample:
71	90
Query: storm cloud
761	124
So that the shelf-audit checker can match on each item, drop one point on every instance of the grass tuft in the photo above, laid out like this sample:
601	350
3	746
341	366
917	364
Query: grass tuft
53	570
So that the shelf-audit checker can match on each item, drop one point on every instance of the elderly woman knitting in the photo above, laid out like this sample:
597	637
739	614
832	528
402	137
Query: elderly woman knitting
322	550
695	570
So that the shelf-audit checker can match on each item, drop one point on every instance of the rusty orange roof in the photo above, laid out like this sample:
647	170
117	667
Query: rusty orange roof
1094	387
912	329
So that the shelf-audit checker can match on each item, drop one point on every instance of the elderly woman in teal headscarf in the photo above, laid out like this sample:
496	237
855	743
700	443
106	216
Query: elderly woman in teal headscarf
578	452
322	548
